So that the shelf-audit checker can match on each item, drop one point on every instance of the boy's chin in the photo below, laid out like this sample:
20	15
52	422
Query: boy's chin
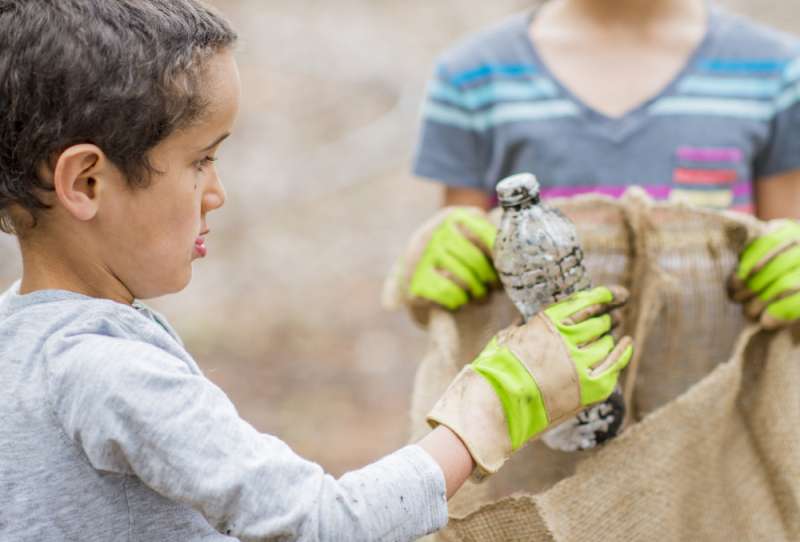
166	287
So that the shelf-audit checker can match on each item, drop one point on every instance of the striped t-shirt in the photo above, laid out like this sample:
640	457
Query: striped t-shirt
729	118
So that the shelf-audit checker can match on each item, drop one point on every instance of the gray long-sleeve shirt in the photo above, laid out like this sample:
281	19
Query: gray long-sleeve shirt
110	431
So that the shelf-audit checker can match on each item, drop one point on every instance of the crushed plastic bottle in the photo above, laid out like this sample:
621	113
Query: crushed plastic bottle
540	262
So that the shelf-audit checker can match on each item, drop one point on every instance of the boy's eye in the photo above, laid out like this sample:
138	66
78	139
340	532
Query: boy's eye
207	161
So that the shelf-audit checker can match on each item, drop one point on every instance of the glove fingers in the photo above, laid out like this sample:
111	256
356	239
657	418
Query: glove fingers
787	280
784	259
784	286
616	324
423	259
588	331
784	311
587	304
453	278
479	230
464	275
620	297
617	360
754	307
764	248
738	290
463	247
593	354
439	289
473	258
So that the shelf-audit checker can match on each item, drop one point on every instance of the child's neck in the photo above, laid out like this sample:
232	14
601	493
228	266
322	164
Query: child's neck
66	268
578	39
636	13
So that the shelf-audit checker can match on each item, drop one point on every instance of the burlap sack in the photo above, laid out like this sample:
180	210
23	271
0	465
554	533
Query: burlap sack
712	450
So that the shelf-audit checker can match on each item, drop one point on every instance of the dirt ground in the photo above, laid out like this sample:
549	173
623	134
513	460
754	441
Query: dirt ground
285	313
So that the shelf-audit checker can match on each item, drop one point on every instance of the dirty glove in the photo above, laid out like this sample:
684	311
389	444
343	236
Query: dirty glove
536	375
767	279
449	259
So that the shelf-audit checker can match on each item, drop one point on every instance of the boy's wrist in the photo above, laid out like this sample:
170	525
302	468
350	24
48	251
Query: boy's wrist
471	409
452	456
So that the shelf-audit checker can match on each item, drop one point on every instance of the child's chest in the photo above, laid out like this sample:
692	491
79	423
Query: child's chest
614	75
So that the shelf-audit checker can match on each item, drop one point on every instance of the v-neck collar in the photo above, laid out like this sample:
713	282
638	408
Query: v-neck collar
623	126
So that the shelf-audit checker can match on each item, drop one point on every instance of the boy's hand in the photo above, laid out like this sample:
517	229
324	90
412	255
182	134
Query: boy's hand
536	375
767	279
449	259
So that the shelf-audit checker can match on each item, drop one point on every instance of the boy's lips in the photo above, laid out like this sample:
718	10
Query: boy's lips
200	249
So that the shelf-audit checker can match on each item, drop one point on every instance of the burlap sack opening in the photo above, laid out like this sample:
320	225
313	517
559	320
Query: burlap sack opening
712	451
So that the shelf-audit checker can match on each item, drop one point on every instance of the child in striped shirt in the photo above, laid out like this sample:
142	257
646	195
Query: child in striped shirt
688	101
681	97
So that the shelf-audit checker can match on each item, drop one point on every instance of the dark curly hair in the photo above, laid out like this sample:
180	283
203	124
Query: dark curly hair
121	74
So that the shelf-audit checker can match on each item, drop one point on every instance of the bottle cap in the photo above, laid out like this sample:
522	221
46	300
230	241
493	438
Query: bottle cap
518	189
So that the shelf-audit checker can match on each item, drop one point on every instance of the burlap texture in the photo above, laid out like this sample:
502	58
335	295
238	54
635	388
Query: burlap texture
712	451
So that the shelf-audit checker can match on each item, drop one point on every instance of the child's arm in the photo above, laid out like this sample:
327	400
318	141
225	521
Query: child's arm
132	408
452	456
463	196
779	196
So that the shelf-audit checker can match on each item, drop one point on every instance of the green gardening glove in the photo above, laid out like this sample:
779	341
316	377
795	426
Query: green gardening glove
534	376
449	259
767	279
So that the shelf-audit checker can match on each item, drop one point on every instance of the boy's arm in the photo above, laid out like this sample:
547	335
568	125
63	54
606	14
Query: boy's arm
133	408
451	455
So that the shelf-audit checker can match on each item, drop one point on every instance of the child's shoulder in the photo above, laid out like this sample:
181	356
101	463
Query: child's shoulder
501	46
741	37
105	318
93	336
58	319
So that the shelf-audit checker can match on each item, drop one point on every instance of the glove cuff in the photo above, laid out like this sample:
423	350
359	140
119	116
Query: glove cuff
471	409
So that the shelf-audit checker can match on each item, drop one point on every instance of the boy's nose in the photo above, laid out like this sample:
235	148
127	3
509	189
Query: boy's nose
214	198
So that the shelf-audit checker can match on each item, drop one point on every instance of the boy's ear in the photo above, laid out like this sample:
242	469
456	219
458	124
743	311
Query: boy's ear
78	178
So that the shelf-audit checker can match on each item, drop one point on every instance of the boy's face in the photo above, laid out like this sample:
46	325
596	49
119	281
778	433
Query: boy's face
151	236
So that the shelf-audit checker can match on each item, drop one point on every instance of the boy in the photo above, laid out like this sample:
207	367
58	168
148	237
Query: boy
114	111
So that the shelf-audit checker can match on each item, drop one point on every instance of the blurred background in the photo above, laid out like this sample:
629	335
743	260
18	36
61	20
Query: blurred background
285	312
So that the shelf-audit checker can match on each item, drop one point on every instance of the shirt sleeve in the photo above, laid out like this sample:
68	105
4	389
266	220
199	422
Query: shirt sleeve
782	151
453	146
136	409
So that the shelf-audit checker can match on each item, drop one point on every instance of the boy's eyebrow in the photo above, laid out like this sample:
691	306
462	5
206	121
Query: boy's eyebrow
219	140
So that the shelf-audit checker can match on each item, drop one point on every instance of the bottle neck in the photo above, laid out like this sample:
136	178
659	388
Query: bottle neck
520	203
